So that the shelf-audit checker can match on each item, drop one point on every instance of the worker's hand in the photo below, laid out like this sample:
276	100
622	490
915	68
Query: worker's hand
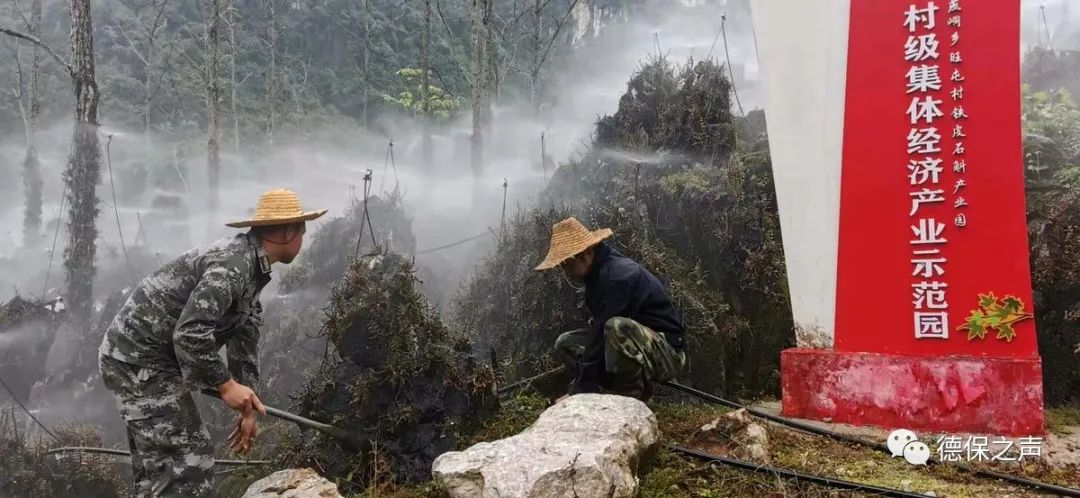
242	438
240	398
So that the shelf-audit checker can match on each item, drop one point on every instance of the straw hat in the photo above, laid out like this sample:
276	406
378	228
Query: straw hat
278	207
568	239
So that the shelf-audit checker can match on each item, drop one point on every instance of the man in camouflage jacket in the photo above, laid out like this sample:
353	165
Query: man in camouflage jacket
165	341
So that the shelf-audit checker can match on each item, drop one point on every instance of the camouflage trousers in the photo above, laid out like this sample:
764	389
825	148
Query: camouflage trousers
635	356
171	453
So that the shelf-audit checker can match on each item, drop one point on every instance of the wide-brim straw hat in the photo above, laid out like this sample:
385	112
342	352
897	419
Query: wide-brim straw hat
568	239
278	207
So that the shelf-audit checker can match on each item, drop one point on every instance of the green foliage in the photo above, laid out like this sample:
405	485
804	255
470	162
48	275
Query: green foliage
515	415
1054	234
25	469
325	260
395	376
20	309
995	314
511	309
1065	420
334	60
686	109
701	216
1051	122
439	104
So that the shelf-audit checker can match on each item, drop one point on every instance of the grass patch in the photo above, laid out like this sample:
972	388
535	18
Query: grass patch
515	415
426	490
679	421
673	476
1065	420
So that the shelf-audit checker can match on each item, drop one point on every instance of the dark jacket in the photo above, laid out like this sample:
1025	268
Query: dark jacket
617	286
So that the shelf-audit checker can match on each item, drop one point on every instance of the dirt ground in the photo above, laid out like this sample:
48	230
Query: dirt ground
1059	462
1061	443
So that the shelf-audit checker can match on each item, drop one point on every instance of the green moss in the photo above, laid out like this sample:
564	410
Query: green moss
816	455
1065	420
693	182
668	477
679	421
426	490
515	415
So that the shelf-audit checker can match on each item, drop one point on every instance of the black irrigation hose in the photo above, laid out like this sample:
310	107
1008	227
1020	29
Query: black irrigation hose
110	451
792	474
988	474
774	418
453	244
28	412
526	382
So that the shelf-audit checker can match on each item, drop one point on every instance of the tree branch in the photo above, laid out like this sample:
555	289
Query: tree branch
36	41
131	43
17	91
558	28
161	77
450	44
15	4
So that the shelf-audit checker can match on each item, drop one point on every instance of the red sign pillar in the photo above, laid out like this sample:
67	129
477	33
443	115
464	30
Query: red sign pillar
934	313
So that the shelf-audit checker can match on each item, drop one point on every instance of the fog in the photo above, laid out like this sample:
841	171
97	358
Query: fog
326	165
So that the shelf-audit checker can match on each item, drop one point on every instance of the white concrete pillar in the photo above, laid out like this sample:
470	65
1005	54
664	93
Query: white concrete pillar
802	51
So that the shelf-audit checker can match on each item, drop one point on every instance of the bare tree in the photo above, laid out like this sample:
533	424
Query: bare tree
425	83
481	80
367	59
149	30
213	99
362	32
271	41
541	48
32	164
84	165
297	89
234	85
30	110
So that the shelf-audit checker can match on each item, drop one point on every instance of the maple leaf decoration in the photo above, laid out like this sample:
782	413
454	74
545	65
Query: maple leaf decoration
997	314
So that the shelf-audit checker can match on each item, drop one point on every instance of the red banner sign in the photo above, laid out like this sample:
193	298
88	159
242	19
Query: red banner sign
933	254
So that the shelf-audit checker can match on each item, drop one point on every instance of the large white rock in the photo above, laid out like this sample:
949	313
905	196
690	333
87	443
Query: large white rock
293	483
587	445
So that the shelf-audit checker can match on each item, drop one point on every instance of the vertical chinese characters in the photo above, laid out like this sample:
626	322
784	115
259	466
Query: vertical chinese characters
959	114
922	51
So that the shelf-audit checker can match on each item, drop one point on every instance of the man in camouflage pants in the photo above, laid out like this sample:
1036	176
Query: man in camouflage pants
164	343
635	337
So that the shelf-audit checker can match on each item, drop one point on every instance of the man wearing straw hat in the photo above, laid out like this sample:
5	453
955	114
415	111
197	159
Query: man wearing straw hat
635	336
165	342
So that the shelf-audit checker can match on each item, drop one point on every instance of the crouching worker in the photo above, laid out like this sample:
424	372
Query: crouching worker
165	341
635	336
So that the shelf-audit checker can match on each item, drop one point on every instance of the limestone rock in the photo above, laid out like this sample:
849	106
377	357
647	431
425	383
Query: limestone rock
743	437
293	483
586	445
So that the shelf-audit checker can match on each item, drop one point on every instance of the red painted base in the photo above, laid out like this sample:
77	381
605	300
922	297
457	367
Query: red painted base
999	396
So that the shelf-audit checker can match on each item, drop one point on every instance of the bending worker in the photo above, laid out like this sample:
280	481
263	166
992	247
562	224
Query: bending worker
165	342
635	336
